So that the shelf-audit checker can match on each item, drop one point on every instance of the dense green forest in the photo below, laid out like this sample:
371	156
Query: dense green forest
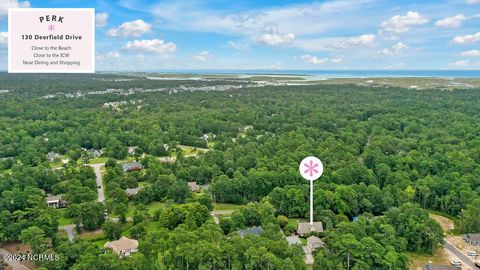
390	156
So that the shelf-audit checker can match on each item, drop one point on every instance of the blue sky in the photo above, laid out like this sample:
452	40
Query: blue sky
146	35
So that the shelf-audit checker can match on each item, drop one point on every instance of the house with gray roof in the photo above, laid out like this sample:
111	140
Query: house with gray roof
132	166
431	266
133	191
472	238
51	156
250	231
314	243
293	240
304	228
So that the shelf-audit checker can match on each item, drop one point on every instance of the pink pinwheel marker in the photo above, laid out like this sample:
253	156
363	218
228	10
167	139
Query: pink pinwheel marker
311	168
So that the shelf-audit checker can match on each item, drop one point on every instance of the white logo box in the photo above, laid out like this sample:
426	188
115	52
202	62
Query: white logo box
51	40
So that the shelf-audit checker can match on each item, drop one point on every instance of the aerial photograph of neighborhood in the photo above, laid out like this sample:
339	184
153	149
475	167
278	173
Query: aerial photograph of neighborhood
256	135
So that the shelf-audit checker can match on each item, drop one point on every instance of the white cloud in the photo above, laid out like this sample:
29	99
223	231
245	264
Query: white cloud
472	53
394	50
273	39
130	29
277	65
473	1
6	4
113	54
401	24
394	66
451	22
311	59
460	63
151	45
467	38
101	19
202	56
300	19
354	42
238	46
3	38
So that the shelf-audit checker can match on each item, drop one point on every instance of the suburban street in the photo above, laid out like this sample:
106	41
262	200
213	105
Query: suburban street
98	174
467	262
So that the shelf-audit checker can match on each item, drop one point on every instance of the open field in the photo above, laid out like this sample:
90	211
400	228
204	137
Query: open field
226	207
441	256
152	207
446	223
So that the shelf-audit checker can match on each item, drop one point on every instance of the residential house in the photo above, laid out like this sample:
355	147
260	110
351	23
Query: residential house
51	156
293	240
55	201
123	246
193	186
439	267
133	191
306	228
314	243
250	231
132	149
472	238
96	153
132	166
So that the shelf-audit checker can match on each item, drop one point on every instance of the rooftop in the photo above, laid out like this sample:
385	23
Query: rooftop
132	166
133	191
250	231
306	227
293	240
122	244
473	236
439	267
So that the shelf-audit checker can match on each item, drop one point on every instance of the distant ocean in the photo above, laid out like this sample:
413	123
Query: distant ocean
342	73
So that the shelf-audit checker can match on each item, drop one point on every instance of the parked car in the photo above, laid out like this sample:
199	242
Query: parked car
456	263
472	253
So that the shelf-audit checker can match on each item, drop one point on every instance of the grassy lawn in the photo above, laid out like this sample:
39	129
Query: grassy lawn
91	235
226	206
56	164
293	221
99	243
98	160
190	150
152	207
62	220
149	227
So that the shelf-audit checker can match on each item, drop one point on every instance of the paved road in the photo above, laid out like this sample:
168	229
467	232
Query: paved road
16	265
69	229
467	262
98	174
